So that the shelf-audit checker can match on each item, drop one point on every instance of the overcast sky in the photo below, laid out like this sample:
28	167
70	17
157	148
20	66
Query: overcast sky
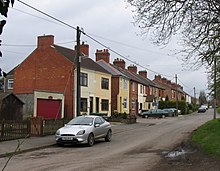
109	22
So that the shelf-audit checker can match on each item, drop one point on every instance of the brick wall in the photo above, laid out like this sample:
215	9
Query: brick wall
46	69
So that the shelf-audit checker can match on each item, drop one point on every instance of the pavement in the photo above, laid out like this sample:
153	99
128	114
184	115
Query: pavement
7	148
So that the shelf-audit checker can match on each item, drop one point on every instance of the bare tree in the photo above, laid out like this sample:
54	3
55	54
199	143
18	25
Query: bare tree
197	21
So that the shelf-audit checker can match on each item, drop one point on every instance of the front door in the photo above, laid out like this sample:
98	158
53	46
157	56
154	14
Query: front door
91	105
97	104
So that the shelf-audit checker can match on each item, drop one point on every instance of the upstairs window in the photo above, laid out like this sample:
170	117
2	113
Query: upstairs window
141	89
151	91
120	82
133	86
125	84
84	79
10	83
105	83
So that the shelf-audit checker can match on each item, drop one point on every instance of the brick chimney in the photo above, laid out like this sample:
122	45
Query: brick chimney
132	68
45	41
143	73
157	77
84	48
120	63
102	55
164	80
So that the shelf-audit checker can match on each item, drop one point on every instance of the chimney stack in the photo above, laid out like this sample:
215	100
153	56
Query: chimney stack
132	68
45	41
120	63
84	49
157	77
102	55
143	73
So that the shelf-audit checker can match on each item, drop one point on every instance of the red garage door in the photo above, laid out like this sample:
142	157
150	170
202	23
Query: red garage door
49	108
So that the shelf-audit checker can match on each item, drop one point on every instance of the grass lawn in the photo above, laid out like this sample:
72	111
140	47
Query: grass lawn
208	137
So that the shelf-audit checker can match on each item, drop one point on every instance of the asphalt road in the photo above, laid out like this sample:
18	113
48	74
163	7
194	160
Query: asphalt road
136	147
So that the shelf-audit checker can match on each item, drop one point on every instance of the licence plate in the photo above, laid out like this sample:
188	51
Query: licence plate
67	138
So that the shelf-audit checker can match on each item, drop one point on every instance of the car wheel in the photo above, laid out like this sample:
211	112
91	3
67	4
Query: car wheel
163	116
90	140
143	116
108	137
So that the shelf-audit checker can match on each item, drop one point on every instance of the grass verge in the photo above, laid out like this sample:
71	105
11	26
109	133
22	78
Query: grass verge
208	137
218	110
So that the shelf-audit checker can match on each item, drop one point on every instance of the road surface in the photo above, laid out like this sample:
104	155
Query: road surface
135	147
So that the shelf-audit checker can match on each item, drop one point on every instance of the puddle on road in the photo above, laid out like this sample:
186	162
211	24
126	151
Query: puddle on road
176	153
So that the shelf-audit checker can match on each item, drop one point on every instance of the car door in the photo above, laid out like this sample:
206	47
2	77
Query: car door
99	129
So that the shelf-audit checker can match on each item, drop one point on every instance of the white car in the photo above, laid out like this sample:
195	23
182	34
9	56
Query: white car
84	129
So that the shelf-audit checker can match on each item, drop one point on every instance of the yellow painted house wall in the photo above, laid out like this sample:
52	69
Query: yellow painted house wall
94	90
103	93
123	93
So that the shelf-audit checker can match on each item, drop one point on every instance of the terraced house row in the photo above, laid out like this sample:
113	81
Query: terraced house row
46	83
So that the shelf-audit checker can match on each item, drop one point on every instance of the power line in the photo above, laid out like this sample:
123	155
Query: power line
91	38
18	45
110	40
23	45
35	16
13	52
183	83
47	15
127	45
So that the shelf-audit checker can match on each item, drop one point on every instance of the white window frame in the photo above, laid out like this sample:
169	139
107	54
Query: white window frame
133	86
10	84
125	84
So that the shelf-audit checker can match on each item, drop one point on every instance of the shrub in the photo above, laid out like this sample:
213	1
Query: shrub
182	105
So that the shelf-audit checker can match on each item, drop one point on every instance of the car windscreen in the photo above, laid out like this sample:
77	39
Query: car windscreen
82	120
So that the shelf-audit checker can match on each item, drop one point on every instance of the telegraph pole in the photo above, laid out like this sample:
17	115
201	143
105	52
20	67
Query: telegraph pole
194	89
78	89
176	95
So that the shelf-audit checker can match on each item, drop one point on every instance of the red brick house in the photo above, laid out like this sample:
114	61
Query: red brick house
171	90
45	80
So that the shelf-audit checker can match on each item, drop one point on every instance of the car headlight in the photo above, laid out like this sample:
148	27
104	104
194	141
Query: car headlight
58	132
81	132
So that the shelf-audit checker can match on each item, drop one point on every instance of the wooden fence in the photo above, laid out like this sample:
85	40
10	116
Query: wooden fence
36	126
10	130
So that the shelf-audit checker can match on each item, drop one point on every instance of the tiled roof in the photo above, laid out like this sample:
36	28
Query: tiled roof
110	68
4	95
68	53
136	77
92	65
127	73
86	62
